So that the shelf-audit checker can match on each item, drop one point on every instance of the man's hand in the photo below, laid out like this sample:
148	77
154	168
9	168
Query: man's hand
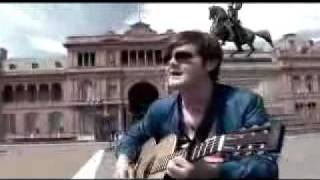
204	168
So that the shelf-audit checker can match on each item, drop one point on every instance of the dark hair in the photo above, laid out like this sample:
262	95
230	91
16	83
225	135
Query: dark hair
207	47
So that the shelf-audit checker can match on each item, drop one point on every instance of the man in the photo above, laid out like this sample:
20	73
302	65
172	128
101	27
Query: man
201	104
234	23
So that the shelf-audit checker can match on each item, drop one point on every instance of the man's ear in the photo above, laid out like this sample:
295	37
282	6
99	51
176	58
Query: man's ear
211	65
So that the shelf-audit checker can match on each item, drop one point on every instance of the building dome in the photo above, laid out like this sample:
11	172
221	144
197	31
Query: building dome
140	28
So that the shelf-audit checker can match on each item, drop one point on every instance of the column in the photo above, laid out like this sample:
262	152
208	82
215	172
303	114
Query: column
120	118
37	92
50	92
301	85
20	123
137	58
315	83
14	93
89	59
288	82
72	90
24	94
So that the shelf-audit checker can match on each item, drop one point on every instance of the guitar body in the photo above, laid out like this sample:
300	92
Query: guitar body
150	152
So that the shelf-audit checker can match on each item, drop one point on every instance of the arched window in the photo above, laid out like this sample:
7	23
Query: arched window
30	123
58	64
309	84
86	90
20	93
31	93
296	84
44	92
56	122
56	91
86	123
124	58
7	94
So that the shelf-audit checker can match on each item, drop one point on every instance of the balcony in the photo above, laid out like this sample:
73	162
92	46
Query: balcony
33	105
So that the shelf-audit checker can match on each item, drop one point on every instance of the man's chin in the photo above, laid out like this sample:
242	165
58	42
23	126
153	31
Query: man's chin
175	85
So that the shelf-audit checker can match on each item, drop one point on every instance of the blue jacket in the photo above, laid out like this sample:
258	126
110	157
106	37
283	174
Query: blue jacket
234	108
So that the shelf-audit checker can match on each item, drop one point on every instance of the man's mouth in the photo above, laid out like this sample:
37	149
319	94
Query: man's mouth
175	73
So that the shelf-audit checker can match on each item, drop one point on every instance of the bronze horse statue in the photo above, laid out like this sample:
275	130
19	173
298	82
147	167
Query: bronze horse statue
219	28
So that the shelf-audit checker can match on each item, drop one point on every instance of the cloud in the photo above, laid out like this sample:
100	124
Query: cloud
47	45
31	29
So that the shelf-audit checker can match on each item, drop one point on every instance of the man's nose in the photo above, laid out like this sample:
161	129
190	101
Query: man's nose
173	62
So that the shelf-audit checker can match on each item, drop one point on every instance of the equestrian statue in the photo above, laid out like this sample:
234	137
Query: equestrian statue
227	27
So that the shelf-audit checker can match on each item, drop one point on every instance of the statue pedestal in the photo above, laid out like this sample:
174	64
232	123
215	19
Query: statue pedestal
257	72
262	57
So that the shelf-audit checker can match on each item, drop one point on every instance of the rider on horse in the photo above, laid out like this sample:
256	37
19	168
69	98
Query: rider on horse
233	25
227	27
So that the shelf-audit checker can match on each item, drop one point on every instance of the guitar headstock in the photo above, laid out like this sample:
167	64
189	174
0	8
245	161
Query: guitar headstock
255	140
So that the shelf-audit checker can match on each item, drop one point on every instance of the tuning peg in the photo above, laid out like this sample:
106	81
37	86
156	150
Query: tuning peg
267	124
255	126
237	153
248	153
243	129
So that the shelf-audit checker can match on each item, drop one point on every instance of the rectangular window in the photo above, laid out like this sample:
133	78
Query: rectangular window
141	57
112	89
35	65
112	59
8	123
149	57
158	57
86	59
12	124
80	59
12	66
92	58
133	58
124	58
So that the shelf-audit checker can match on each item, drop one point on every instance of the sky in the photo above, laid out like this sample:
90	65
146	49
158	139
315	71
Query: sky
40	29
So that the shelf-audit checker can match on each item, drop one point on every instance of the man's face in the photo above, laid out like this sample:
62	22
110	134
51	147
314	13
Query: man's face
185	67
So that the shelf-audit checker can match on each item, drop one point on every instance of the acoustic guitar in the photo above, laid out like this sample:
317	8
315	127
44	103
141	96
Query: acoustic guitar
153	159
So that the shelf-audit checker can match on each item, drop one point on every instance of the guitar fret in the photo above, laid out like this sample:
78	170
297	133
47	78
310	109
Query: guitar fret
205	149
199	152
194	152
221	141
214	139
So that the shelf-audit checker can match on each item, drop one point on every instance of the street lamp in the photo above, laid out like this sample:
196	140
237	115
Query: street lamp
94	103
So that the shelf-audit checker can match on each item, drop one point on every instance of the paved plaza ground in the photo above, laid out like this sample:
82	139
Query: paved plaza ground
300	159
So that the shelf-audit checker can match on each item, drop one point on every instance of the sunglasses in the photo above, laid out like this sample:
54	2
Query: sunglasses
180	56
